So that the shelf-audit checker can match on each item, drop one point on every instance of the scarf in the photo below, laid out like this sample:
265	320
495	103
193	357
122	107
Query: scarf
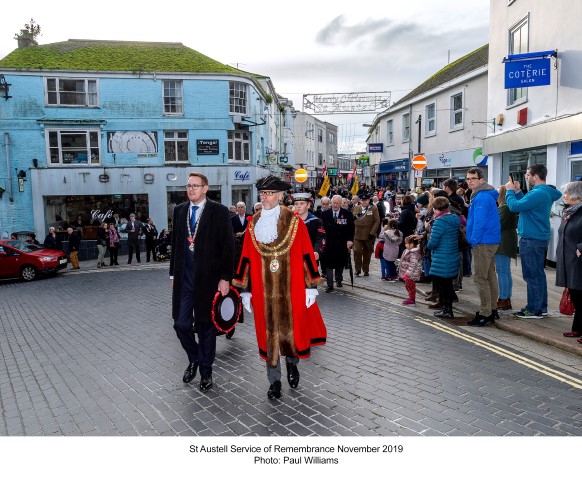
571	210
266	226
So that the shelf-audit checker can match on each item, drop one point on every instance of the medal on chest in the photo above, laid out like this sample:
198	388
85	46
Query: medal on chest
191	242
274	265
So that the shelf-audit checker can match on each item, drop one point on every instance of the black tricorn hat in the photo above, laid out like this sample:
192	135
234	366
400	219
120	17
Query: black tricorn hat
226	310
272	183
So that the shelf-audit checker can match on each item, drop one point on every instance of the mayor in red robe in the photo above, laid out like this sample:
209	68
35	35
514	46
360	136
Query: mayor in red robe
280	276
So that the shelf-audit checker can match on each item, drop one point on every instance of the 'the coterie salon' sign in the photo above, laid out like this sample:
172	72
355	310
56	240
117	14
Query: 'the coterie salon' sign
527	73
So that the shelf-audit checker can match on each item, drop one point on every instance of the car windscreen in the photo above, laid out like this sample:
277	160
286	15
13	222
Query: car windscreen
23	246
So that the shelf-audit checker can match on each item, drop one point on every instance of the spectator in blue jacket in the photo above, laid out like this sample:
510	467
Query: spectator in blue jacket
533	228
444	246
484	235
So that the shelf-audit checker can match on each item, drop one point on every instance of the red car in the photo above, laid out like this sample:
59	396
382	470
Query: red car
19	259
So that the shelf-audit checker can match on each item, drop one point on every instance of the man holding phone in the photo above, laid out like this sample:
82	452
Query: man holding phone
534	232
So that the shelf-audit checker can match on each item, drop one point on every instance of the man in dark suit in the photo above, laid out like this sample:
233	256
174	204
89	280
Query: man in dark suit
338	224
133	228
201	264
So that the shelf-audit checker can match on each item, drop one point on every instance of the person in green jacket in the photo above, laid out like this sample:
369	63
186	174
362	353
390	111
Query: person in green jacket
506	251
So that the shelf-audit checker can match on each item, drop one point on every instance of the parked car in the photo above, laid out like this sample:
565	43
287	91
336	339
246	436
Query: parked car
19	259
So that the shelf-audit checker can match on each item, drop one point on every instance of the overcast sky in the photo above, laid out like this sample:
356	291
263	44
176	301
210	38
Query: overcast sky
304	46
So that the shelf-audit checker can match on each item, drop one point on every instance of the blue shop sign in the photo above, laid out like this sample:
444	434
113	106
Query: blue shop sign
528	69
396	166
375	147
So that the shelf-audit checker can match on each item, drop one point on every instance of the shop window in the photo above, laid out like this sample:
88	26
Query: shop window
238	98
173	99
69	147
239	146
517	162
176	146
72	92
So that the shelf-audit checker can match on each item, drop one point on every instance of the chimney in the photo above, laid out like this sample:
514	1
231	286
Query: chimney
25	40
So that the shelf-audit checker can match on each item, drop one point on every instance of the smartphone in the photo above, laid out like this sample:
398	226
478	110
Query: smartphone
511	178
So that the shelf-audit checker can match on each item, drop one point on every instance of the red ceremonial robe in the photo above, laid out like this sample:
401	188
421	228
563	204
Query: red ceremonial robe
279	273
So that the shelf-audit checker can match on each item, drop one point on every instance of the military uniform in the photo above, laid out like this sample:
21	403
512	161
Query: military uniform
366	222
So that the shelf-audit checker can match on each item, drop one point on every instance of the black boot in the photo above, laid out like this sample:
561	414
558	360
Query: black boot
274	390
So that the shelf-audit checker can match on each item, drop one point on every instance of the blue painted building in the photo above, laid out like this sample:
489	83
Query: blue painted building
99	129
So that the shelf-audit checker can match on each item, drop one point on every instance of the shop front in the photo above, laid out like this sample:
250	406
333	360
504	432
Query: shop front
442	166
393	174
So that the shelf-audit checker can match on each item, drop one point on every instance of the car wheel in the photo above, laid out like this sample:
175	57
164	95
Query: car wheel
28	273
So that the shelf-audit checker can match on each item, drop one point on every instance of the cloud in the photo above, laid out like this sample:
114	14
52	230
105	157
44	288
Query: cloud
336	33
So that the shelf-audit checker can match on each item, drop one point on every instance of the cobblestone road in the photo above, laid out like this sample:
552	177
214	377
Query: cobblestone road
93	353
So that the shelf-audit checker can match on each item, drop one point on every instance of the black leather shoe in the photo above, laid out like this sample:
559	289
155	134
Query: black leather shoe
230	334
292	375
190	372
274	390
339	285
366	274
329	289
206	383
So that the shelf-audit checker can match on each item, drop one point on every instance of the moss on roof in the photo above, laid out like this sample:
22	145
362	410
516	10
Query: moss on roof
472	61
105	55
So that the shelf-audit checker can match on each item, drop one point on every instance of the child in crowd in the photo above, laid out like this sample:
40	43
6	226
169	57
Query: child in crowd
378	252
392	238
410	268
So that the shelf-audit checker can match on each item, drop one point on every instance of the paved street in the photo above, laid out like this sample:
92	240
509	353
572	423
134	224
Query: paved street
93	353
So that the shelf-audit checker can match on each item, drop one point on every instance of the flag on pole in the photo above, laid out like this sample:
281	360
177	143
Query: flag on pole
354	185
325	185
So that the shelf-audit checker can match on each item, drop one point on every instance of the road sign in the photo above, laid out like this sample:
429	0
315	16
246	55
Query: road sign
418	174
301	175
419	162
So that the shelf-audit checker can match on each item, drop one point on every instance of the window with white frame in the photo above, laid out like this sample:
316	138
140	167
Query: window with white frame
173	99
320	158
331	138
457	111
72	92
176	146
330	158
406	127
238	97
320	135
74	147
390	132
430	123
518	43
239	146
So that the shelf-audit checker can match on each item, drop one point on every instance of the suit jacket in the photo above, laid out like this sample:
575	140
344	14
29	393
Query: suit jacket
133	237
337	234
237	227
213	256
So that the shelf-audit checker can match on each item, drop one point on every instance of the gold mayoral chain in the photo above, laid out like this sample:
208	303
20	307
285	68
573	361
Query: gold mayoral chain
191	236
277	250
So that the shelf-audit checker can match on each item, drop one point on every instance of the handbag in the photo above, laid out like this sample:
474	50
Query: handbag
462	238
379	249
566	305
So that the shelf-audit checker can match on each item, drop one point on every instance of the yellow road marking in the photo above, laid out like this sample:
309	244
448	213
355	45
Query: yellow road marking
550	372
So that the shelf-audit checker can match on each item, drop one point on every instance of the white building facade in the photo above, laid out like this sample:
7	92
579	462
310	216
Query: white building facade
538	121
444	119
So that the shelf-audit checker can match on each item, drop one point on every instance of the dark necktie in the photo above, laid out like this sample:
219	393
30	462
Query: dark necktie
335	215
193	217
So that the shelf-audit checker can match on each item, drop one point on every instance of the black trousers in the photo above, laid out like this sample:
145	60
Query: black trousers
446	291
113	251
151	249
130	249
202	351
